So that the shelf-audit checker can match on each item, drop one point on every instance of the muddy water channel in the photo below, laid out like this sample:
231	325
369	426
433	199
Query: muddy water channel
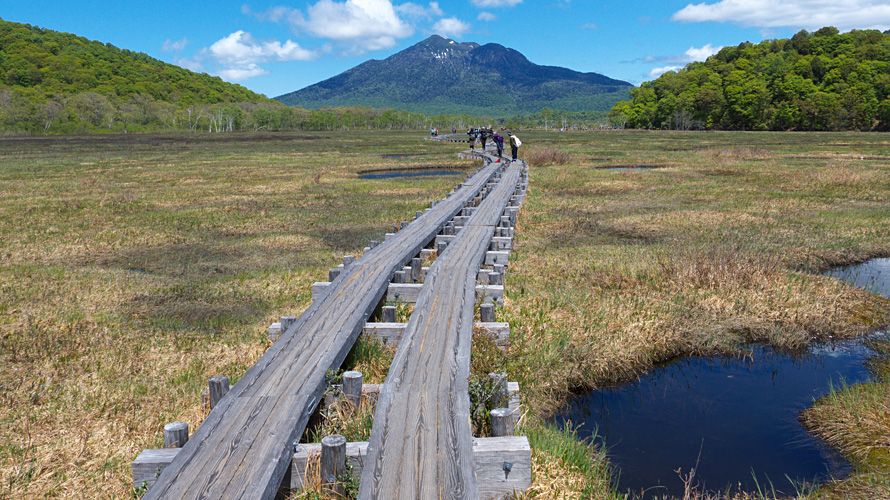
732	418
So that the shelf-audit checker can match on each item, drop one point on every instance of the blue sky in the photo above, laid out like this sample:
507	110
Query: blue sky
275	47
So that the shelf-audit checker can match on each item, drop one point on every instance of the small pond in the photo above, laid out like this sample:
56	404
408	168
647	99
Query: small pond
733	418
391	174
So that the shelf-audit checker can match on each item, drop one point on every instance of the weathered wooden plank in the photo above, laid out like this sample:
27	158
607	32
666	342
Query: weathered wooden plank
242	450
489	455
421	442
391	333
408	293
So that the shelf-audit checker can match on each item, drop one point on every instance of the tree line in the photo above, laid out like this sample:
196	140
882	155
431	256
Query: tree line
813	81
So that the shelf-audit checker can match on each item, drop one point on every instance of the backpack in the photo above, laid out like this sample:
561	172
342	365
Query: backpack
518	142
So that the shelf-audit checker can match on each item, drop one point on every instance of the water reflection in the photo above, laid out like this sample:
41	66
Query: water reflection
733	418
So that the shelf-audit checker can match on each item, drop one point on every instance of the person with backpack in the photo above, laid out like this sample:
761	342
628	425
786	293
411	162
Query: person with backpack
472	138
514	144
483	136
498	143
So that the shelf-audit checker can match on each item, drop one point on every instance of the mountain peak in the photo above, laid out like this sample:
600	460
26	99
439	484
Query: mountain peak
440	75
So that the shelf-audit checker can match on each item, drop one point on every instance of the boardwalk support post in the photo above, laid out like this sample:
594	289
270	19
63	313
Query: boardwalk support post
352	387
176	434
486	313
219	386
333	463
501	422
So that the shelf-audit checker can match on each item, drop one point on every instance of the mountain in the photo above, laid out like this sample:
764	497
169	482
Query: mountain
39	63
439	75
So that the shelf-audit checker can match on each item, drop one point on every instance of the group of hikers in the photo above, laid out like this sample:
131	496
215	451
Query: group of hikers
483	134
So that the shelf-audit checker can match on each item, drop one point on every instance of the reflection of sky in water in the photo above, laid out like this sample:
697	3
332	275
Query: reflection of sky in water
732	416
873	275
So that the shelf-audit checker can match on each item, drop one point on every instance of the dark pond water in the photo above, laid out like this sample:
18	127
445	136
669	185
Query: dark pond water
390	174
735	417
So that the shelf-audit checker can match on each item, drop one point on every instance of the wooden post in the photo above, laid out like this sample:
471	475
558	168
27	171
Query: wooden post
399	277
333	273
501	422
374	243
389	314
348	259
417	214
274	332
440	247
500	398
219	386
352	387
176	434
416	269
333	463
494	278
486	312
286	322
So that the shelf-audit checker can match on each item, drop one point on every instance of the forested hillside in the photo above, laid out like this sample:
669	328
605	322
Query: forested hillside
54	81
812	81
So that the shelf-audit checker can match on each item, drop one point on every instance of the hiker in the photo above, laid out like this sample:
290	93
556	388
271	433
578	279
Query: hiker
514	144
472	140
483	135
499	143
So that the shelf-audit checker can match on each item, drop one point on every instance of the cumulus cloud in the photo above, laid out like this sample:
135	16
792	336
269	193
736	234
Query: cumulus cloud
809	14
363	24
485	4
417	11
451	27
701	54
174	46
237	56
656	72
486	16
589	26
240	48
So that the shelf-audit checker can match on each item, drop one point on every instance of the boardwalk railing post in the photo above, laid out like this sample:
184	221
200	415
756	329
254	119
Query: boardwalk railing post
176	434
416	269
333	463
500	397
388	315
352	387
486	312
286	322
501	422
219	386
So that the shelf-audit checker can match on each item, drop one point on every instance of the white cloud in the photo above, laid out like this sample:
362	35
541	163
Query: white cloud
365	24
808	14
240	48
589	26
419	11
239	74
694	54
174	46
486	16
656	72
451	27
495	3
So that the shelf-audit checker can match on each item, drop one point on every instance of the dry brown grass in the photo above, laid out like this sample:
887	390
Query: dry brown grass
545	156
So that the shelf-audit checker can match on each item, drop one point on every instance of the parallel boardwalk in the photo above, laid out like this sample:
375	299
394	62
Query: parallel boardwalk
421	443
243	448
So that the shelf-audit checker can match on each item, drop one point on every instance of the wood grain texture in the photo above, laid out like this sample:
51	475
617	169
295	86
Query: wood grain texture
243	448
421	445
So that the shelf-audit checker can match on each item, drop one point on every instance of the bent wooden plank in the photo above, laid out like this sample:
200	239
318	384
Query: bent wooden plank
421	444
243	448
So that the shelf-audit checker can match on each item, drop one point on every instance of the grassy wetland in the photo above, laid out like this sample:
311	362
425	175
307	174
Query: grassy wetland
134	268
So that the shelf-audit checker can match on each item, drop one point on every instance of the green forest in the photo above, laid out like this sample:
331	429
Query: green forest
813	81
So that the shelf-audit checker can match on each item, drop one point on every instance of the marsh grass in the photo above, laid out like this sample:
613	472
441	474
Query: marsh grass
134	268
616	271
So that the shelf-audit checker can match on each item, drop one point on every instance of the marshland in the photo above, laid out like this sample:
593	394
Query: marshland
134	268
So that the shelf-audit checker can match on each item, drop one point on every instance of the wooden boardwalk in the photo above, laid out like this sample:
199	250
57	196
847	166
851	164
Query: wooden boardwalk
244	447
421	443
